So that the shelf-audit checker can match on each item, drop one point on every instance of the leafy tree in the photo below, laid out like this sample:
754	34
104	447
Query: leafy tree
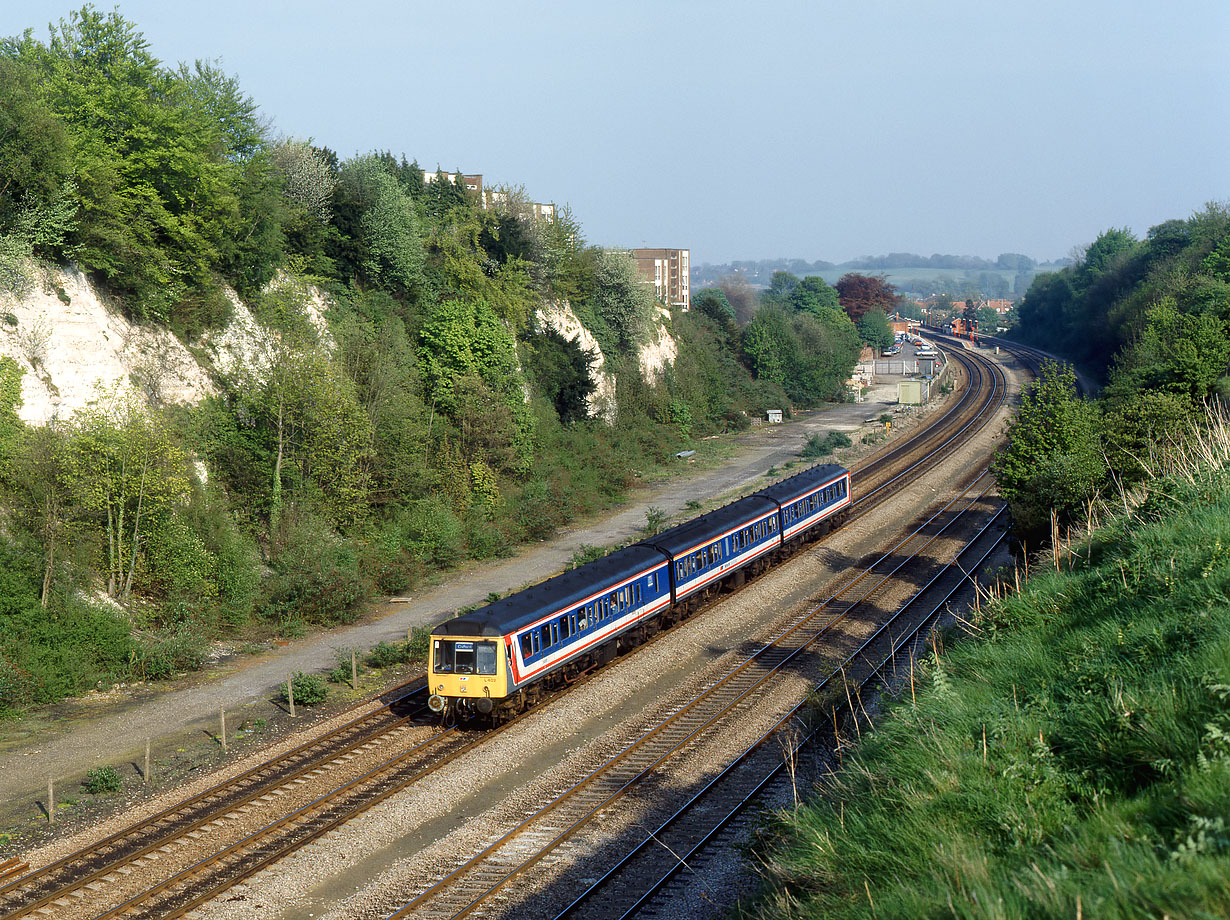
158	161
712	302
859	293
769	345
562	372
468	359
812	295
1053	458
126	473
781	285
378	218
1176	353
37	199
621	299
874	328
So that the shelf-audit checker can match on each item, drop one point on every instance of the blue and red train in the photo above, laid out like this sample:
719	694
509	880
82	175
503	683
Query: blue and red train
495	661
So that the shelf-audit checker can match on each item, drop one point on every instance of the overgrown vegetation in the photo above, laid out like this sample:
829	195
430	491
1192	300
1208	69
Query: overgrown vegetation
817	446
1074	761
431	415
1152	318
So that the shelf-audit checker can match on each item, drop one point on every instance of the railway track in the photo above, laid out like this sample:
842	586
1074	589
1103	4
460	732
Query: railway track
472	887
208	843
651	872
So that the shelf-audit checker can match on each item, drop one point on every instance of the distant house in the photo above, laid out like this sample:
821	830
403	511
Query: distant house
774	416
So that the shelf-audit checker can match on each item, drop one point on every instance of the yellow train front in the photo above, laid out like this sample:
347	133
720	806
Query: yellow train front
494	661
470	670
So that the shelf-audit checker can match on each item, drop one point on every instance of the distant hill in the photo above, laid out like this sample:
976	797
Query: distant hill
1009	275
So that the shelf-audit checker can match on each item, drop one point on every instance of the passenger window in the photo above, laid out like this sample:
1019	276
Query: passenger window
527	646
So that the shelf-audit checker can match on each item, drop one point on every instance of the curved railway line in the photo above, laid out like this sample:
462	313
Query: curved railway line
190	853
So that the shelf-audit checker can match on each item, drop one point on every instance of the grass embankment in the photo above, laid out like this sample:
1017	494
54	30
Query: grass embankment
1102	788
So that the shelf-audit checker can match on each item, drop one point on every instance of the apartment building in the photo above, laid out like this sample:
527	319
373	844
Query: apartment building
667	270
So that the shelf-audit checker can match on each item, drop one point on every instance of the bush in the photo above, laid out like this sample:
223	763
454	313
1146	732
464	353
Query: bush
102	780
818	446
419	644
318	579
166	653
431	532
385	654
310	689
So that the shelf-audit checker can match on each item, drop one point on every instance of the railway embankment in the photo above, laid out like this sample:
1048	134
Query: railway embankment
1068	756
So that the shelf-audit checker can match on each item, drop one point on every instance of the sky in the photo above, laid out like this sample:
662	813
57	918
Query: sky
753	130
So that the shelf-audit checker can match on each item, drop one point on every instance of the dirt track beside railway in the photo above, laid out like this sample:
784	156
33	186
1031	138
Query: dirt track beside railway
110	728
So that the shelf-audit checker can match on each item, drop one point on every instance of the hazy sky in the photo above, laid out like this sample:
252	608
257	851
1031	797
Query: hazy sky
816	130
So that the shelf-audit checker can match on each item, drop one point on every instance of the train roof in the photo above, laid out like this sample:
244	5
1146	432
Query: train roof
561	592
800	484
710	526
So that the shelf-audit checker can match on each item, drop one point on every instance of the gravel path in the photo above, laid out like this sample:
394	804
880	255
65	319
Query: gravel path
111	728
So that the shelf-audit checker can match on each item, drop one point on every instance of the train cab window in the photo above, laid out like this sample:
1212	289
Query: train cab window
456	657
486	657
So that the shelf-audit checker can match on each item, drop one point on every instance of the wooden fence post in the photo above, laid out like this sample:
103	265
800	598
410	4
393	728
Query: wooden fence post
290	693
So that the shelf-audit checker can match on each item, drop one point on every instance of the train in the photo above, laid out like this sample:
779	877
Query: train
495	661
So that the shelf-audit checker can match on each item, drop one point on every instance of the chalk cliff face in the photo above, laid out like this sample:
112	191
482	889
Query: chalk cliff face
653	357
661	351
559	316
72	345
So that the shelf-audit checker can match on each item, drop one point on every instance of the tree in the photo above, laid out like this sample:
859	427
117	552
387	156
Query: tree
1176	353
740	296
1053	459
874	328
561	371
621	299
859	293
463	344
374	211
712	302
126	471
812	295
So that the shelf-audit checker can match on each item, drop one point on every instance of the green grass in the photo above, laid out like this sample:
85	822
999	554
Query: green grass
1103	789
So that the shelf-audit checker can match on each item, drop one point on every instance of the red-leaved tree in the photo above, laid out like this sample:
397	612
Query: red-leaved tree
858	294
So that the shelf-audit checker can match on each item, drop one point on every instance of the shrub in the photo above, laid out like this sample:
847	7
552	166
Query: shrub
818	446
101	780
318	579
419	644
385	654
586	552
166	653
310	689
431	532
